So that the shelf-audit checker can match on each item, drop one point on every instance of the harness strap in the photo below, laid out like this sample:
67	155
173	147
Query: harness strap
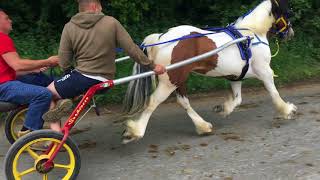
244	48
278	49
177	39
142	46
259	41
244	71
245	68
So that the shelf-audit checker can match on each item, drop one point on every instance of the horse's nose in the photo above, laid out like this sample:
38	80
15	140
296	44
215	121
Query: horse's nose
291	32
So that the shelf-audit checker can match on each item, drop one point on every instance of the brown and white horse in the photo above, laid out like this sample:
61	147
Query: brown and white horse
228	63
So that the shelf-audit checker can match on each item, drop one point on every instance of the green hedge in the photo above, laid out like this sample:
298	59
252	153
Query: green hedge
38	24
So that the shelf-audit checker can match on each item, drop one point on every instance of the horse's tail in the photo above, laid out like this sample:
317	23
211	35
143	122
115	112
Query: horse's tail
138	91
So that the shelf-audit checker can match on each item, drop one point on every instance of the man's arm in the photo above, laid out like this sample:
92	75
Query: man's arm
22	73
19	65
125	41
65	50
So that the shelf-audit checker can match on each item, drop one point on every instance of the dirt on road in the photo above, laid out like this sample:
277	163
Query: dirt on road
252	143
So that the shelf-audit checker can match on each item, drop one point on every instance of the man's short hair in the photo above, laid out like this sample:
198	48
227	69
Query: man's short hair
88	1
83	3
1	10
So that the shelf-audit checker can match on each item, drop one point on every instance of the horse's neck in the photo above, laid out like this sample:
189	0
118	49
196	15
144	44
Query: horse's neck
258	21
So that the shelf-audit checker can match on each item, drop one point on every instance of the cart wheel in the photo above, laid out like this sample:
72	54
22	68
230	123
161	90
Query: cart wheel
14	123
22	161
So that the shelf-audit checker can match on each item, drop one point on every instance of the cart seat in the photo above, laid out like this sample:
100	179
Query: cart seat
5	106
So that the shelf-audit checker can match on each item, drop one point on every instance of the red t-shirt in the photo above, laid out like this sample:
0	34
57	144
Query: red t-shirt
6	72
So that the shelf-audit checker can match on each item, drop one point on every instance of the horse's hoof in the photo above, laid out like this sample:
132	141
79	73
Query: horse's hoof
218	109
128	136
127	139
292	115
205	129
292	111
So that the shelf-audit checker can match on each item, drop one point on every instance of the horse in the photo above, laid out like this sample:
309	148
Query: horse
269	15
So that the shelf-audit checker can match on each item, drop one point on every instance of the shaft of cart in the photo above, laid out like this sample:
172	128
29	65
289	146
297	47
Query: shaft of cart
122	59
182	63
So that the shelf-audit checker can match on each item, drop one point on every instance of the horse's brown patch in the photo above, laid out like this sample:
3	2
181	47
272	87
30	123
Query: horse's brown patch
189	48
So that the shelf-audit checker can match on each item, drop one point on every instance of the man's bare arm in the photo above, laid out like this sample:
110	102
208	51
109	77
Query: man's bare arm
20	65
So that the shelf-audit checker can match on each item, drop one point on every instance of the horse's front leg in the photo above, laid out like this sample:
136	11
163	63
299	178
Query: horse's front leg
265	74
233	101
136	129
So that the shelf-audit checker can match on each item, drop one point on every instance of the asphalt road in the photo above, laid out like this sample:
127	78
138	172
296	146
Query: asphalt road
252	143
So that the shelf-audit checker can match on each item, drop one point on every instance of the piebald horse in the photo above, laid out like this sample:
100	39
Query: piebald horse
268	15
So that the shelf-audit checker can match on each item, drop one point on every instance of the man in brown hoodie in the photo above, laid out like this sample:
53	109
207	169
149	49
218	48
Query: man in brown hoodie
88	44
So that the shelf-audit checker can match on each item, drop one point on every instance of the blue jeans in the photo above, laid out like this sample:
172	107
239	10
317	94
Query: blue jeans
39	79
36	97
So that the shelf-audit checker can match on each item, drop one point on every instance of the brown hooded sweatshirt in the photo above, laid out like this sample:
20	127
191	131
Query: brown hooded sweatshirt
89	43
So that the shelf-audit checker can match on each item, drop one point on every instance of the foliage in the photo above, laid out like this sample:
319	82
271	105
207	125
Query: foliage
38	25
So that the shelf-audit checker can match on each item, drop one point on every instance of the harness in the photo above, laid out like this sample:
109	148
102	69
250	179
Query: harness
234	33
244	47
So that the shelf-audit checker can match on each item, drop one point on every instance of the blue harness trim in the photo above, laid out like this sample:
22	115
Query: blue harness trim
244	47
119	50
177	39
230	30
142	46
234	33
259	41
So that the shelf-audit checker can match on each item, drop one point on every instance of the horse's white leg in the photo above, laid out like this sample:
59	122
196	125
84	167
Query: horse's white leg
136	128
228	107
202	127
265	74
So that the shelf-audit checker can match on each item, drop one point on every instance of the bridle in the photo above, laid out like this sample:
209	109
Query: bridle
282	25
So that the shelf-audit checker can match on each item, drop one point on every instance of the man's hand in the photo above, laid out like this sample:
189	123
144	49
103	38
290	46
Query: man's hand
54	61
159	69
44	69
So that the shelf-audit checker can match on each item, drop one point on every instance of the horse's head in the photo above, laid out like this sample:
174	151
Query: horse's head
281	13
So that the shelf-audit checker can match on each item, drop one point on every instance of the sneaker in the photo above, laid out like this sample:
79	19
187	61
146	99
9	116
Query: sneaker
63	107
23	133
39	146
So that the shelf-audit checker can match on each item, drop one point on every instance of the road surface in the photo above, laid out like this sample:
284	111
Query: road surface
252	143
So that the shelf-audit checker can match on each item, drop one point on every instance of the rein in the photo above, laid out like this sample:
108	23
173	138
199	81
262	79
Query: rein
278	49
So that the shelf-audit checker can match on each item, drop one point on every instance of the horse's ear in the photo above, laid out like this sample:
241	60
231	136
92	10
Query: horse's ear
276	2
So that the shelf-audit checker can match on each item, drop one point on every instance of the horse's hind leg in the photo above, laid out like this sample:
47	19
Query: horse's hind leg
265	74
202	127
233	101
136	128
